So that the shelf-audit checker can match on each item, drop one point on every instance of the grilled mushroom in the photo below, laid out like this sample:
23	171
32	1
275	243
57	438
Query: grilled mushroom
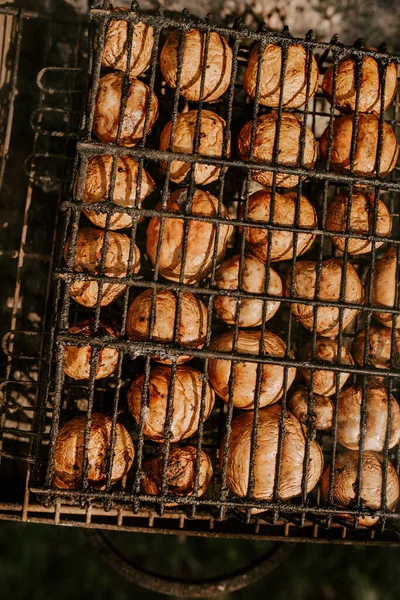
370	88
211	140
180	474
326	350
217	68
186	402
345	485
289	148
107	112
88	258
294	86
69	452
305	280
77	359
379	347
366	148
377	407
384	288
322	411
284	211
244	388
201	242
192	328
116	45
361	221
96	188
265	456
253	280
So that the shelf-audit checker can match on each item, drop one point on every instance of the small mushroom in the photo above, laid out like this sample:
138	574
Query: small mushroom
88	258
294	86
289	148
253	281
345	485
217	68
322	411
211	141
186	402
107	112
180	473
201	237
379	347
326	351
284	211
273	382
192	328
69	452
377	407
77	359
384	285
327	317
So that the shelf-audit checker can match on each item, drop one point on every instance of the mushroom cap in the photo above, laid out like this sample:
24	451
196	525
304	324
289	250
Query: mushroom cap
69	452
77	359
345	484
96	188
186	402
366	146
326	350
200	240
361	221
211	139
181	472
322	411
305	279
282	241
370	89
295	78
293	451
115	50
253	281
288	150
377	407
88	254
192	329
379	347
272	380
107	112
384	287
217	68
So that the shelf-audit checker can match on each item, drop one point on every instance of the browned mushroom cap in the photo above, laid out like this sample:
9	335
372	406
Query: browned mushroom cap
96	188
361	221
192	328
370	94
295	77
253	280
186	402
305	280
244	389
77	359
282	241
322	409
181	472
69	452
384	288
88	257
291	473
377	407
217	68
107	112
379	347
211	138
288	149
366	146
116	45
345	484
326	350
201	240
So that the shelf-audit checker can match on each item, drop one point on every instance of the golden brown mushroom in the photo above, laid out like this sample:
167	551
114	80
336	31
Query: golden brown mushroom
379	347
384	288
326	350
322	411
